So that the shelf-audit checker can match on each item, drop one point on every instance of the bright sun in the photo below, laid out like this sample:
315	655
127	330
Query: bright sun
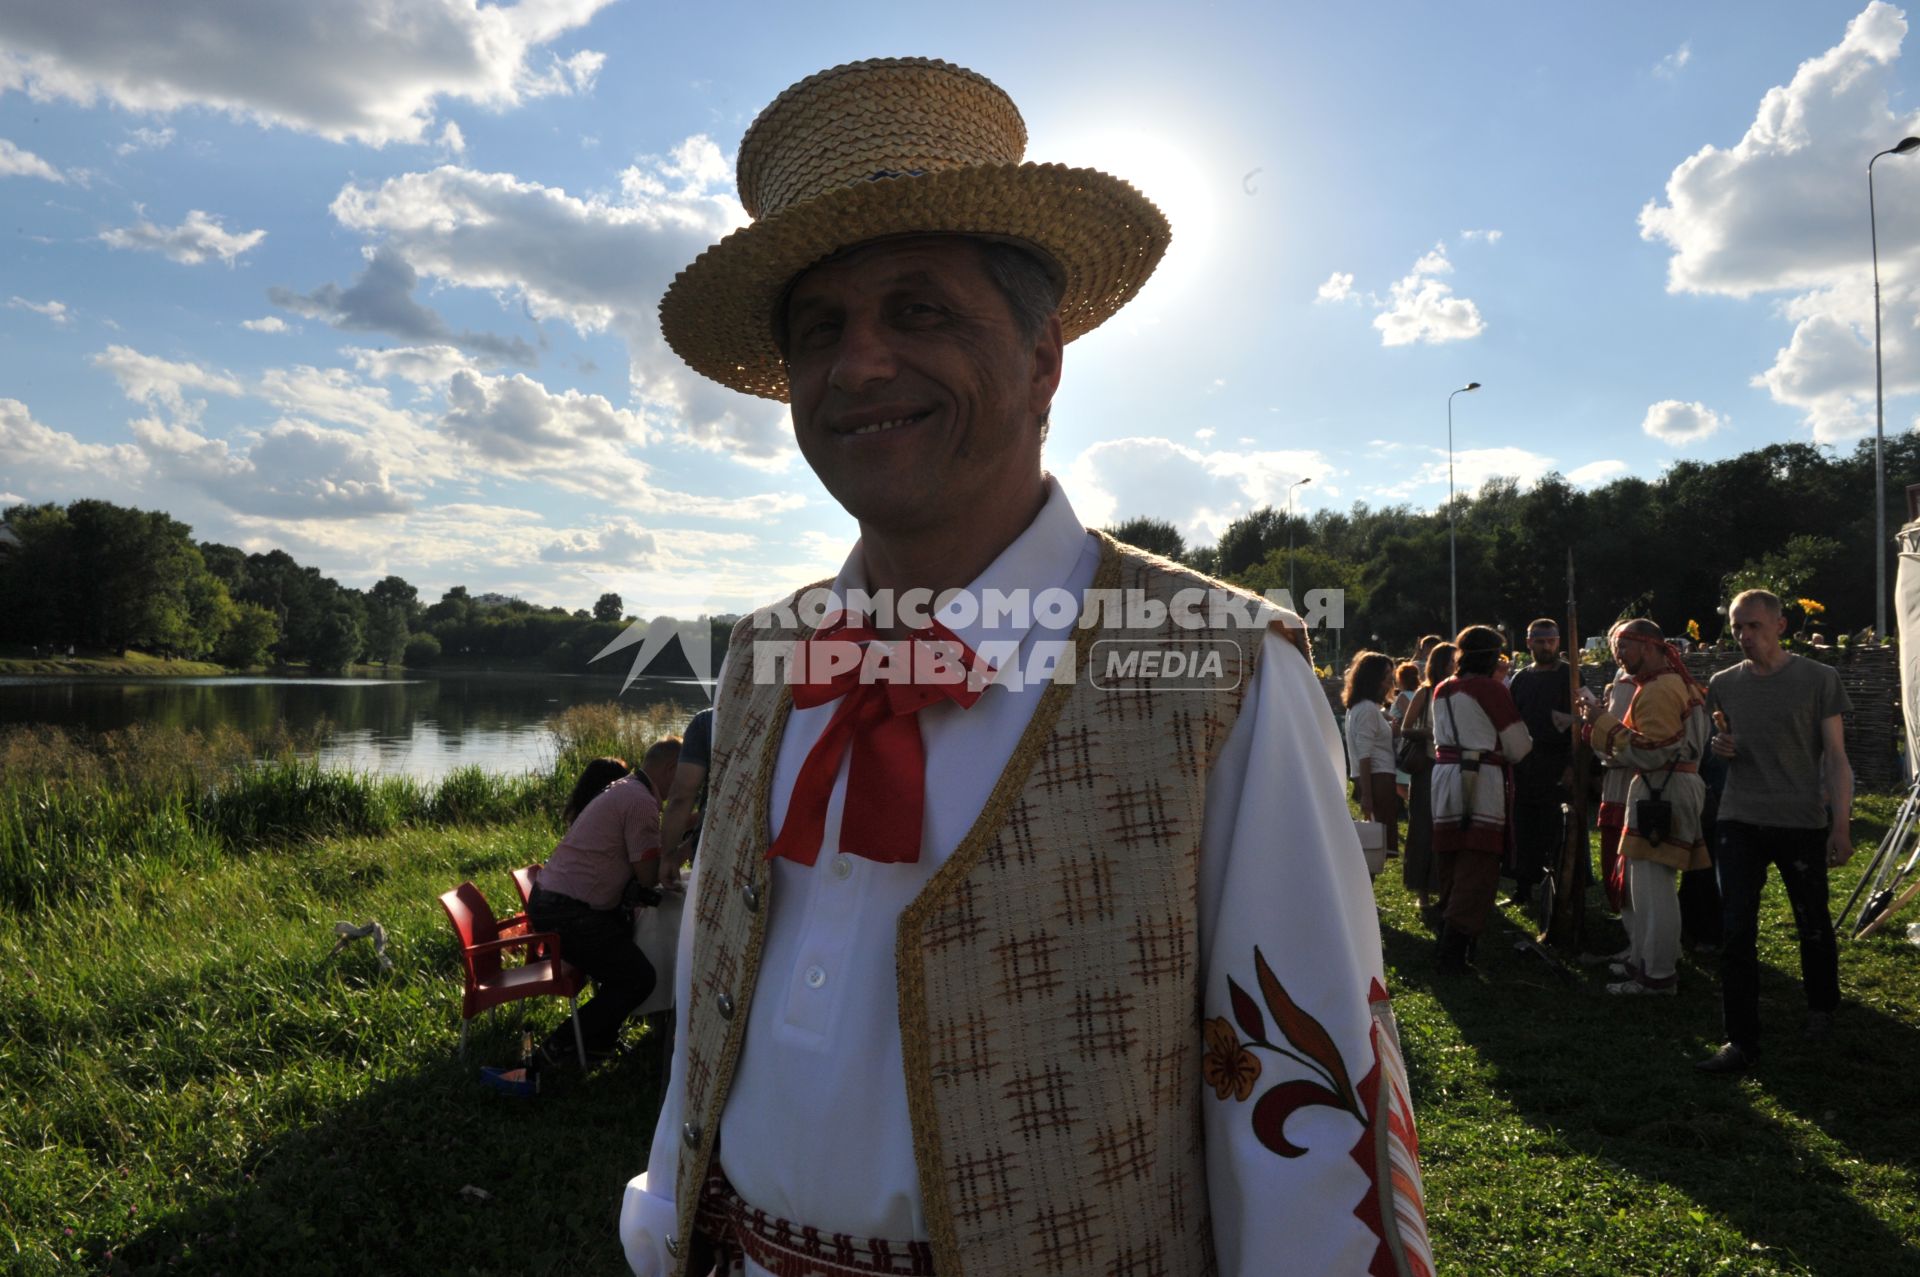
1167	169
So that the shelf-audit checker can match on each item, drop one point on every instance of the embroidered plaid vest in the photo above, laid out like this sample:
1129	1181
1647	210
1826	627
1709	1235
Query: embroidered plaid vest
1049	972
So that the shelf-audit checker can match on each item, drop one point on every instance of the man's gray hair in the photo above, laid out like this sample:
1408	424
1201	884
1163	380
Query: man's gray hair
1024	281
1765	598
1031	294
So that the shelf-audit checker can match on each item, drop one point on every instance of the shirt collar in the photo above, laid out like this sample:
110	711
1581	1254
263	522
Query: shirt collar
1040	558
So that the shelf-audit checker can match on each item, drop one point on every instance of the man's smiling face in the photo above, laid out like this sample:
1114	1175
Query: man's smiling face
915	398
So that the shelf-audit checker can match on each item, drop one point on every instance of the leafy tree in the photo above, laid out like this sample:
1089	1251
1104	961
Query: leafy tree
1314	569
455	607
1249	539
338	639
1155	536
1788	572
249	639
608	607
386	629
422	650
394	590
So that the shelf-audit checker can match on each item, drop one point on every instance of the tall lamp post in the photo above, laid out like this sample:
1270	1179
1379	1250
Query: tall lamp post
1453	561
1293	594
1904	146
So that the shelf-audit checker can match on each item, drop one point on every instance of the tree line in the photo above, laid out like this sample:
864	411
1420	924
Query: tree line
1793	518
97	577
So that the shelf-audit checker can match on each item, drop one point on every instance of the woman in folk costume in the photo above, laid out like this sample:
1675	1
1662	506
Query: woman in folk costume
1417	868
1659	740
1063	973
1478	736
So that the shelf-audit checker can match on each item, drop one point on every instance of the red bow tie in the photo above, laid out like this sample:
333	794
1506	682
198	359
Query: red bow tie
880	688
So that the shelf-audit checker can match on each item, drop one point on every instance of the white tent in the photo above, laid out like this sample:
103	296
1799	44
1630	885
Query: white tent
1906	598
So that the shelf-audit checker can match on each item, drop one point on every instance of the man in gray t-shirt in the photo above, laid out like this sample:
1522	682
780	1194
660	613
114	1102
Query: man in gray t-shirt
1788	803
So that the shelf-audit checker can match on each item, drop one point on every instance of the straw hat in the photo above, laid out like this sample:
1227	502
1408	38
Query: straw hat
898	146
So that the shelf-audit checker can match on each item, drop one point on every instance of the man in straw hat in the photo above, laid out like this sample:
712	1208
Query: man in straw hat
993	973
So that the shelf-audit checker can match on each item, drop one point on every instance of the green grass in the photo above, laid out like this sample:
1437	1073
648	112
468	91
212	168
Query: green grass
1565	1131
125	665
188	1084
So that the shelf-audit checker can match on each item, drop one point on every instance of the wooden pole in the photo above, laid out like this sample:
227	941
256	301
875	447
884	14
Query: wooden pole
1567	920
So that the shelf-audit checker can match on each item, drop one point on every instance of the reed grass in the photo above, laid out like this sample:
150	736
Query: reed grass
76	811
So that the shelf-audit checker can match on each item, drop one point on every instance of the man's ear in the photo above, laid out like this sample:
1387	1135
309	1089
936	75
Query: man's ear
1047	351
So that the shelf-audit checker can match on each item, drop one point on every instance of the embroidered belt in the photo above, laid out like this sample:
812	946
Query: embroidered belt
740	1231
1678	769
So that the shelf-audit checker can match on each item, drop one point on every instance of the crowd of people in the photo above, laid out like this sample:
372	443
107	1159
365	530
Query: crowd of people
1700	789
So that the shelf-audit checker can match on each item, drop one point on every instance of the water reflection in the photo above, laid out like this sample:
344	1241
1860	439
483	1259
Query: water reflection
412	725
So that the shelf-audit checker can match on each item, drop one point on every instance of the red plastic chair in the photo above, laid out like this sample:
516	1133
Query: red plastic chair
524	881
489	981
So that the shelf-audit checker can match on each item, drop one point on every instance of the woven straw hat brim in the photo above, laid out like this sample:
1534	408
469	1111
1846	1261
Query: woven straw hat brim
1104	235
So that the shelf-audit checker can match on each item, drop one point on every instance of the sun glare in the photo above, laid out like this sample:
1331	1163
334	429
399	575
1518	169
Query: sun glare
1167	168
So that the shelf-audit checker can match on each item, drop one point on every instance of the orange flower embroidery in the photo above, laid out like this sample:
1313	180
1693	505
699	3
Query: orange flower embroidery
1230	1069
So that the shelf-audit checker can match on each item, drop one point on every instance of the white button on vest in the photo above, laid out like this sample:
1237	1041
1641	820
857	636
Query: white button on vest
843	867
816	976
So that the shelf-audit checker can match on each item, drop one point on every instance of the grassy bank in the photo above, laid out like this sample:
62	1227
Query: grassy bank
126	665
188	1084
75	811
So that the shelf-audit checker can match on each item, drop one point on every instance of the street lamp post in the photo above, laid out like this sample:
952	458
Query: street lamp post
1293	594
1903	147
1453	561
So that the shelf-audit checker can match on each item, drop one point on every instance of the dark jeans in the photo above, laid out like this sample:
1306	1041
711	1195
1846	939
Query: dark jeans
1538	825
599	942
1743	853
1538	829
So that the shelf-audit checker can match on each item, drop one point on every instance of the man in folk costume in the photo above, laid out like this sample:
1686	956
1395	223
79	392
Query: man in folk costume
1067	975
1478	736
1660	741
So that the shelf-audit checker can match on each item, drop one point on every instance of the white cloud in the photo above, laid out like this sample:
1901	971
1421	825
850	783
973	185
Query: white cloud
1595	473
193	241
30	451
150	379
452	139
1674	422
15	162
267	324
54	310
619	543
1780	211
1668	67
145	140
1338	288
578	442
1485	237
294	470
423	365
596	262
1200	492
1422	308
1472	467
367	70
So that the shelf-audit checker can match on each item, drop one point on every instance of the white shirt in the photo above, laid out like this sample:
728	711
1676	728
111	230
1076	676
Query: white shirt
816	1127
1369	735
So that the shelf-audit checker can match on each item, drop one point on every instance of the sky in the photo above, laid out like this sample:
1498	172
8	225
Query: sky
374	281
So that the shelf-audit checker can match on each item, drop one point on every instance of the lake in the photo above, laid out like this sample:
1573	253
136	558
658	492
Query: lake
417	724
